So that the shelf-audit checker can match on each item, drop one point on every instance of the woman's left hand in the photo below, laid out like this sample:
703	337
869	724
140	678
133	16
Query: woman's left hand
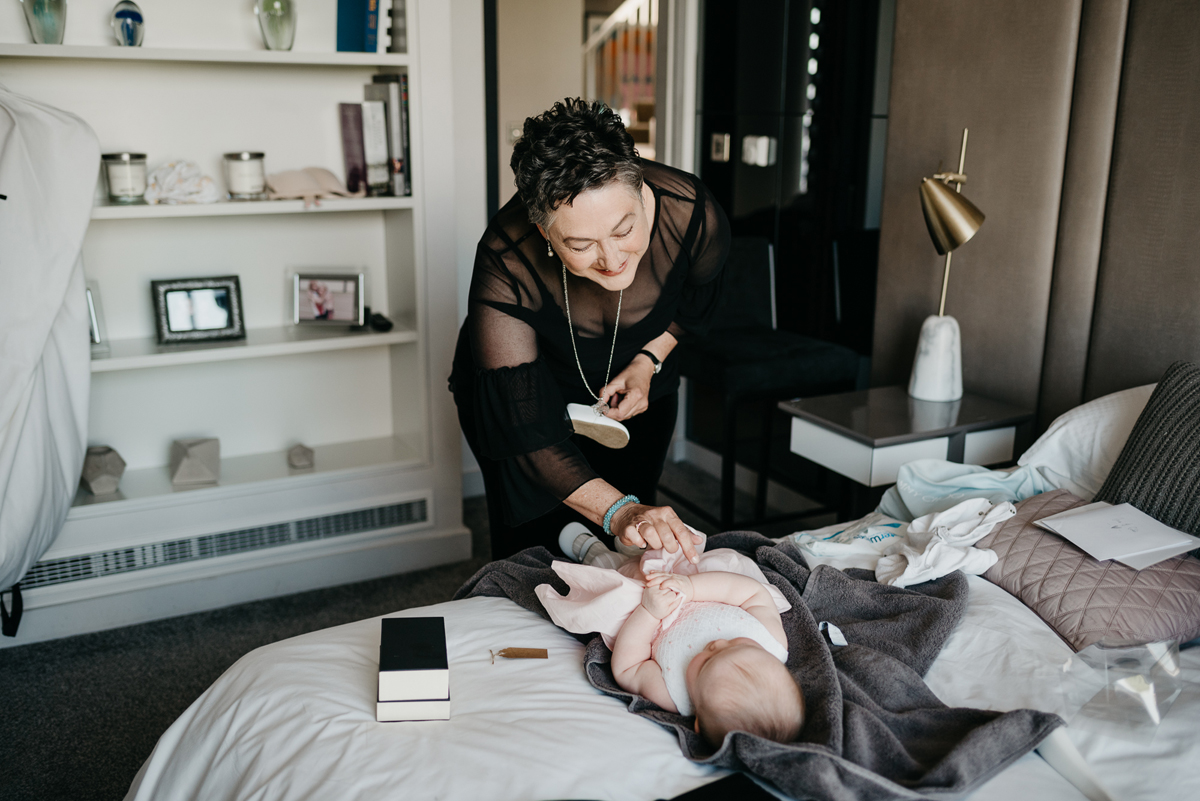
633	386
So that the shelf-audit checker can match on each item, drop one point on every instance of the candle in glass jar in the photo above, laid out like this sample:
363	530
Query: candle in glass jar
245	175
126	176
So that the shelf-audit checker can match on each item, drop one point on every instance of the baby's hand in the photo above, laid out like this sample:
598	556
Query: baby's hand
682	585
660	602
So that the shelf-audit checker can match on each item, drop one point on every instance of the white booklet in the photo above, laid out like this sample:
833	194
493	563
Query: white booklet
1119	532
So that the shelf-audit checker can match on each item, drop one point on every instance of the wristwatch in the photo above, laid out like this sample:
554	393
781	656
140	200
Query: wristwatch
653	358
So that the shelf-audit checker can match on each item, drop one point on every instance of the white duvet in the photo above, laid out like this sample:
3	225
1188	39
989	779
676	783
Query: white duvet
295	720
49	162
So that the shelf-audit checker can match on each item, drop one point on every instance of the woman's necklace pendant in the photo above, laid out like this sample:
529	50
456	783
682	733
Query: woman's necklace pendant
600	408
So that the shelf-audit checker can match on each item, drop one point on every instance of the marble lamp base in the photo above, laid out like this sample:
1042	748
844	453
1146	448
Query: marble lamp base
937	368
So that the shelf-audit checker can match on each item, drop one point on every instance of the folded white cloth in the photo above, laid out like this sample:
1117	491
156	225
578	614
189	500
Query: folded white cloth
180	182
942	542
856	544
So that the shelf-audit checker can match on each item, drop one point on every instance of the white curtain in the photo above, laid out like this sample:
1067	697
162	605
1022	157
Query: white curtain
49	163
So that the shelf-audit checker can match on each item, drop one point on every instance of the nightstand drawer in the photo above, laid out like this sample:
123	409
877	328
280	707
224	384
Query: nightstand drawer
871	467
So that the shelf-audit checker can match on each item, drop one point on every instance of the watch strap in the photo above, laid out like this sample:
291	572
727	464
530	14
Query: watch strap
652	358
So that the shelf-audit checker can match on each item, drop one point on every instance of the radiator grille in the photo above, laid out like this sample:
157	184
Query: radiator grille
124	560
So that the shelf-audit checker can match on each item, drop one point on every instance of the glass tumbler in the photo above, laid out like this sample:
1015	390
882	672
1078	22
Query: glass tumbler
47	20
126	176
277	21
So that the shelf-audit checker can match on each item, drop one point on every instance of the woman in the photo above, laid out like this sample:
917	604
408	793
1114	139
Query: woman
583	284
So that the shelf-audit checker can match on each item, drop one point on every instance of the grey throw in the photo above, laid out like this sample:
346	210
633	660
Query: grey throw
874	730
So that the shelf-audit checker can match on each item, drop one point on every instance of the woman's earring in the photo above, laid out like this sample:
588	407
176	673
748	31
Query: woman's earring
549	250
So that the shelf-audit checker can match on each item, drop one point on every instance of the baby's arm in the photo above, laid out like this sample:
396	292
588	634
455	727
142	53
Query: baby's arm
727	588
632	665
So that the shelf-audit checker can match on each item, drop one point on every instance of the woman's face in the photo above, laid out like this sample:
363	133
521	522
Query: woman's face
603	234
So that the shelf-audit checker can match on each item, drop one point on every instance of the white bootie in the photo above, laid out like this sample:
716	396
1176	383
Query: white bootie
583	546
593	425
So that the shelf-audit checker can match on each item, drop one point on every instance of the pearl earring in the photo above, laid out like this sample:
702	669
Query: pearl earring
549	250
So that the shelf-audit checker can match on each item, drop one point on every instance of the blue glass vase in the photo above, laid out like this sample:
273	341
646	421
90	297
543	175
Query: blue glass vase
128	24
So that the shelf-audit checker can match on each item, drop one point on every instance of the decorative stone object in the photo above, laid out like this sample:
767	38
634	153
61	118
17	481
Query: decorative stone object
102	470
300	457
195	461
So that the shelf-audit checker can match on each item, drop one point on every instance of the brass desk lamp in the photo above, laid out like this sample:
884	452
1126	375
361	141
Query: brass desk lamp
952	220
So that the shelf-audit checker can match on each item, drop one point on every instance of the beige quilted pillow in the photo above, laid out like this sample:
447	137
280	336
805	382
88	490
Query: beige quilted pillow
1084	599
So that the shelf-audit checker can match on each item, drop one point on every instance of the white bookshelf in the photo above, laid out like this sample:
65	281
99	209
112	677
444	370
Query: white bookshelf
114	211
197	55
372	405
145	352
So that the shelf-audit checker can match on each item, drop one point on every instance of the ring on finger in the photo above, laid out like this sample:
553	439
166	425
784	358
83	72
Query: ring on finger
637	527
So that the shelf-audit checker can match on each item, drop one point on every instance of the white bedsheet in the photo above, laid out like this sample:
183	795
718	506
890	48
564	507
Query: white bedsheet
295	720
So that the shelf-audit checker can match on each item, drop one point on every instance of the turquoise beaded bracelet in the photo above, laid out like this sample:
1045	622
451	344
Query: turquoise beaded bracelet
612	510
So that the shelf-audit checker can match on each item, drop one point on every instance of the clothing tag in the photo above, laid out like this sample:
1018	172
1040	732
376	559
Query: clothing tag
519	653
833	632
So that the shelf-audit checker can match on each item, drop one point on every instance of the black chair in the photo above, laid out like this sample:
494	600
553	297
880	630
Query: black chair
746	359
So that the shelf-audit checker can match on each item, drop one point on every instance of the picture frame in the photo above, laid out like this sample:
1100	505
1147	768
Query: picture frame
198	309
97	332
328	298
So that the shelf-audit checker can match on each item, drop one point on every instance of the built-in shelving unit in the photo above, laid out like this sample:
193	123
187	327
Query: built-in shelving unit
114	211
371	405
195	55
145	352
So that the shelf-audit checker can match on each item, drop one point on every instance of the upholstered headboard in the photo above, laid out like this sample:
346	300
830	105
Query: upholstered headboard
1085	155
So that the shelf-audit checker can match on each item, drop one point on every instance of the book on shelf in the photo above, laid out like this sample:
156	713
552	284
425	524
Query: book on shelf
405	152
389	93
357	26
375	148
1121	532
353	157
398	29
413	665
365	147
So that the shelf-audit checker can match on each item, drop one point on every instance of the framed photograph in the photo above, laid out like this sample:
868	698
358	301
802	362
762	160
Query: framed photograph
97	333
198	309
327	299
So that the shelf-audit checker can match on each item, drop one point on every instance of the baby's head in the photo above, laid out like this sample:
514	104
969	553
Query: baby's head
737	684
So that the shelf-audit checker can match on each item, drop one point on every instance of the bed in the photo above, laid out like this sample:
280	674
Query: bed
295	719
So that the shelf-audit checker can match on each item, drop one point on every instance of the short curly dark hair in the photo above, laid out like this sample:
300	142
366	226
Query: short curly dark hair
572	147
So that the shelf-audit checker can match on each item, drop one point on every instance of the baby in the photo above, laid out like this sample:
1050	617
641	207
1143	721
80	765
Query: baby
704	639
736	682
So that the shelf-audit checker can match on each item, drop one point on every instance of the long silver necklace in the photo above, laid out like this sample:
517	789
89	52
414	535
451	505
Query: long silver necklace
599	407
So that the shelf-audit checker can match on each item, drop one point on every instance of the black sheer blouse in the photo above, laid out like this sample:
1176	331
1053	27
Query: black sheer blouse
514	368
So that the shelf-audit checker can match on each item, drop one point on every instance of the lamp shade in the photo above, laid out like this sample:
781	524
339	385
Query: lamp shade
952	219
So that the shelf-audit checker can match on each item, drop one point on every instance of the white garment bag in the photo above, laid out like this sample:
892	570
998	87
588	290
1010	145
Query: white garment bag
49	162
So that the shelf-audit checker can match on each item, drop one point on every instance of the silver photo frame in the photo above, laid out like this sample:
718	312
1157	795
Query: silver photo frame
328	299
198	309
97	332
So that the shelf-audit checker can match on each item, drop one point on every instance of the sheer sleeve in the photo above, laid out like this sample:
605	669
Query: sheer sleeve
707	245
519	413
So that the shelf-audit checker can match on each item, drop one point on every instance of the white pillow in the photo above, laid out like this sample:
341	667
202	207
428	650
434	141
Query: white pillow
1079	449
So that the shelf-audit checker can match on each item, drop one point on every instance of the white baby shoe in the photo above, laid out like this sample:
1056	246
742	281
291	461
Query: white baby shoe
593	425
583	546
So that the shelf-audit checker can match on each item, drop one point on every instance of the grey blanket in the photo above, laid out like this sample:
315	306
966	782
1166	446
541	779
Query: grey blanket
874	730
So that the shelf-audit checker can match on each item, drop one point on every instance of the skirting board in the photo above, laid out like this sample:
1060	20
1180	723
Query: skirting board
360	559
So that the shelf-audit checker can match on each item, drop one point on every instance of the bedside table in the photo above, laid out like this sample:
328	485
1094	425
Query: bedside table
866	436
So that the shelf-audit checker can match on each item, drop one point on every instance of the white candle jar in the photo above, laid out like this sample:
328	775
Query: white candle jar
126	176
245	176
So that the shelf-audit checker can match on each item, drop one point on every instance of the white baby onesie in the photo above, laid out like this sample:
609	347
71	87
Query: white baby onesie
698	624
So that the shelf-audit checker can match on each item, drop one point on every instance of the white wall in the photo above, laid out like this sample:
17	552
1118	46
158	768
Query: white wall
539	59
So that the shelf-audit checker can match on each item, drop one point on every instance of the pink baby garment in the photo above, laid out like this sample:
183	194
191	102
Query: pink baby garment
601	599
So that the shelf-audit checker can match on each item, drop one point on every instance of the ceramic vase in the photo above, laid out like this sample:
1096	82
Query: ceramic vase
937	369
47	20
277	21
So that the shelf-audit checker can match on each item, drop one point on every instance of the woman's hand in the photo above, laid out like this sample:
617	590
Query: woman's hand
660	601
633	386
641	526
